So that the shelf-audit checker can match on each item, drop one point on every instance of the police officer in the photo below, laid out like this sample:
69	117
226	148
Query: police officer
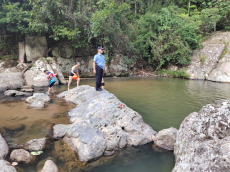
99	67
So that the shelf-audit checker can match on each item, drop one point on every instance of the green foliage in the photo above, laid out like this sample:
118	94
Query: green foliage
166	37
173	74
225	49
162	32
202	59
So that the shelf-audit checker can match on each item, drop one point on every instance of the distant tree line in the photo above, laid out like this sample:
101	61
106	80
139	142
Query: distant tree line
159	31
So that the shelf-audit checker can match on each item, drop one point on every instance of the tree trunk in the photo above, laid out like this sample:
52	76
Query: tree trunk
189	7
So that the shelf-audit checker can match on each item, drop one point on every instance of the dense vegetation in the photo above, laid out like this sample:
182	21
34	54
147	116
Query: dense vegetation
160	31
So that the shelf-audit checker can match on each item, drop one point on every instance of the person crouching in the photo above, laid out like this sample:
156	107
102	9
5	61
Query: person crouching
52	79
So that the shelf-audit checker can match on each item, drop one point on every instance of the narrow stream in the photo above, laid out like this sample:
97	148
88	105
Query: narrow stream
162	102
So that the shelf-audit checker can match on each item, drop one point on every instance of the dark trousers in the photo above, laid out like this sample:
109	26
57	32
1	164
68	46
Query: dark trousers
99	73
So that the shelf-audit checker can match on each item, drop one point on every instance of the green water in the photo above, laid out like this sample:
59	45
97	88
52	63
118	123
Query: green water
162	102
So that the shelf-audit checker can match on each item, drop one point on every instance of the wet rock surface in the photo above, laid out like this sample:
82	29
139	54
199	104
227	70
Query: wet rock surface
37	104
50	166
11	81
4	149
166	138
38	100
6	167
106	127
16	93
23	156
36	144
203	140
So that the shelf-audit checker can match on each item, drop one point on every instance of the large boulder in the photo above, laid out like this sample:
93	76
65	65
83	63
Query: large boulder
4	149
35	47
35	76
23	156
11	81
84	139
50	166
35	144
205	60
166	138
6	166
98	113
203	140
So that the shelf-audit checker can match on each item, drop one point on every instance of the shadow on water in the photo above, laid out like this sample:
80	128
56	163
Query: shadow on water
162	102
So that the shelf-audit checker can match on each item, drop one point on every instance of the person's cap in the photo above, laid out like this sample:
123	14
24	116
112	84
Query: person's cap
45	70
78	63
100	48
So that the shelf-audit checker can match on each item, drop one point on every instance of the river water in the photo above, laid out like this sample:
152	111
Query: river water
162	102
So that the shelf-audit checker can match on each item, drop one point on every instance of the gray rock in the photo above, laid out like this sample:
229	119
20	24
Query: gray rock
36	144
35	47
37	104
11	81
50	166
6	166
99	111
23	156
205	60
203	140
166	138
16	93
4	149
87	141
38	97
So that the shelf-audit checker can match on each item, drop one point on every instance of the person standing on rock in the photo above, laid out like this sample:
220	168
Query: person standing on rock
99	67
74	71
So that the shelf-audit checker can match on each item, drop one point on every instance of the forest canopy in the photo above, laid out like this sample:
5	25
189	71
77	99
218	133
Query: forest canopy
159	31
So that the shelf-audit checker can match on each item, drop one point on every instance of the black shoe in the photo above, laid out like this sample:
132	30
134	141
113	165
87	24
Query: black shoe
99	89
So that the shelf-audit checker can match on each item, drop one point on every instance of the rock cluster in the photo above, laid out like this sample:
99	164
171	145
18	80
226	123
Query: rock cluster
99	125
203	140
38	100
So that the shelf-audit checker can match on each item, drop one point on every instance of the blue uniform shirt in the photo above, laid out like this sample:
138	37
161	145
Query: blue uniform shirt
99	60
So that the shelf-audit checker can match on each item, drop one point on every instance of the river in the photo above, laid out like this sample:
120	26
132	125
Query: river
162	102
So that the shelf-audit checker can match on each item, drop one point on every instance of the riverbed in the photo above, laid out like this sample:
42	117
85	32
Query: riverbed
162	102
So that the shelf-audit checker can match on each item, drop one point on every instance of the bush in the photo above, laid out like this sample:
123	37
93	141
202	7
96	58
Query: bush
173	74
166	37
